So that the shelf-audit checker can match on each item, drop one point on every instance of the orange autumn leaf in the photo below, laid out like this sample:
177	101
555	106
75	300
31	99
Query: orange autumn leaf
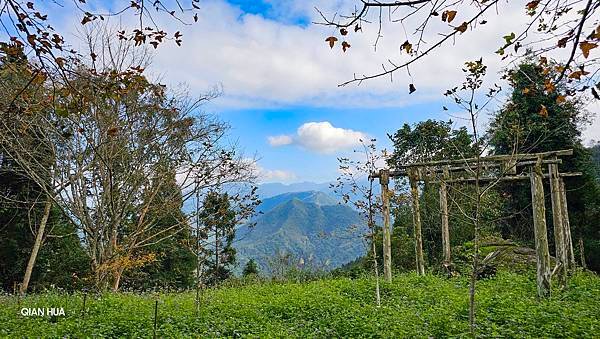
450	15
586	47
549	86
560	99
526	90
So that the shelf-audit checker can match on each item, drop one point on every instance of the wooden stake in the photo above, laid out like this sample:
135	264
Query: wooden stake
417	222
83	308
540	232
155	317
384	180
559	229
444	215
582	254
567	225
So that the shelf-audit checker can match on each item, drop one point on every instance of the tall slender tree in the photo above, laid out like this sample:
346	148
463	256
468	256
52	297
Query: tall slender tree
219	221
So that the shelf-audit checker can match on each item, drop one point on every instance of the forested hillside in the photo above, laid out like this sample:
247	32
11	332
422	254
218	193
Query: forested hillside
307	227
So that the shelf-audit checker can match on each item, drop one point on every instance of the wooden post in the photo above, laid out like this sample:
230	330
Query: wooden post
567	225
559	229
413	176
444	215
582	254
155	317
540	231
384	179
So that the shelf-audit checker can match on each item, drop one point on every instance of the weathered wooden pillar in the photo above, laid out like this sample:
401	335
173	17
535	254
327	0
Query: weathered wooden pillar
444	215
416	212
384	180
559	229
540	231
567	225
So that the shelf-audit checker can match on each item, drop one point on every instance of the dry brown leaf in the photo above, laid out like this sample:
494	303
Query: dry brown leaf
331	41
451	15
577	74
411	89
549	86
562	43
345	46
586	47
533	4
462	28
407	46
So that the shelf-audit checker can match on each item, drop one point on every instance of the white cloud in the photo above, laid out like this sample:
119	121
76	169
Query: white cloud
276	176
320	137
263	63
280	140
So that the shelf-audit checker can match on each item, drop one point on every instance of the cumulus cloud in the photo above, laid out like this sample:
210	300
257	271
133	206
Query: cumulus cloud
280	140
320	137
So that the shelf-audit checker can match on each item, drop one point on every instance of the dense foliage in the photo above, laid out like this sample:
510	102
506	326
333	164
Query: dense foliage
412	306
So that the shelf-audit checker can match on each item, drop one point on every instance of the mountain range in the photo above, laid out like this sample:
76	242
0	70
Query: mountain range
309	225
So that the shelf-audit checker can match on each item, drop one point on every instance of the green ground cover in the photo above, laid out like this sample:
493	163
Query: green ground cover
412	306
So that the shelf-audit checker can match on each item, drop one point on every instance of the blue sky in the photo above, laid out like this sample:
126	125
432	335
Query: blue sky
253	126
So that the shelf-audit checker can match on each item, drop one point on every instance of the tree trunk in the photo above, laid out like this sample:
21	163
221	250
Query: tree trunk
417	223
216	273
117	279
540	232
445	227
567	225
559	229
36	245
387	243
582	254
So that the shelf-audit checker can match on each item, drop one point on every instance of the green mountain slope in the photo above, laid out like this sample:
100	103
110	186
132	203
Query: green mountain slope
309	225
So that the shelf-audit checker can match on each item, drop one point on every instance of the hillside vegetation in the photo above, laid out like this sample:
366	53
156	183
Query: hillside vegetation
311	226
428	306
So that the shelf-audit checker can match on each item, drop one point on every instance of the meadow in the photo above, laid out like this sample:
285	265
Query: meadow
412	306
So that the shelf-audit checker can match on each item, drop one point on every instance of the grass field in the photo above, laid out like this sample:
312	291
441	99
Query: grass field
412	306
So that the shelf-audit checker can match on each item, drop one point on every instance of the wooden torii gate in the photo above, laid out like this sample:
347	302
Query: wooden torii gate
492	168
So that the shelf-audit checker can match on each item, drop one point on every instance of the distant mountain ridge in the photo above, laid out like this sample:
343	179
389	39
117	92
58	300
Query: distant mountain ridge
316	197
310	225
268	190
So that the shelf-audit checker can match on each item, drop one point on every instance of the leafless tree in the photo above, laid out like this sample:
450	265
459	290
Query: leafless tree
351	186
